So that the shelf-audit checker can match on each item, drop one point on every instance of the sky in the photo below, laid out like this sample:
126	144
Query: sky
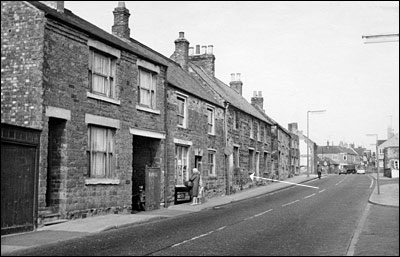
302	56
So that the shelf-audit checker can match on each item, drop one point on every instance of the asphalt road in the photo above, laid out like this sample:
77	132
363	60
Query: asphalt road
294	221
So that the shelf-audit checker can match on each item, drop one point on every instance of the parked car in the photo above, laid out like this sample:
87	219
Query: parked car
360	170
347	169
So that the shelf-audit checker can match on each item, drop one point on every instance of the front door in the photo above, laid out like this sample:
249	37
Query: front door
19	167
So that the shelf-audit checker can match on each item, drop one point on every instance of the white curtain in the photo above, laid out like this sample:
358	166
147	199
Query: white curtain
101	148
147	88
102	74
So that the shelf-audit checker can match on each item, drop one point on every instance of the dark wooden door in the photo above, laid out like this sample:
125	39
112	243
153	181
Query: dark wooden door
152	188
18	167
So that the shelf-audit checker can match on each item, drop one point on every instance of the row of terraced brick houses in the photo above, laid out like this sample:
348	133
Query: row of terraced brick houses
91	120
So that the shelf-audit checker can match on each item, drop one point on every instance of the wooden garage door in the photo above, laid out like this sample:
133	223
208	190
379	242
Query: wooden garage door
18	178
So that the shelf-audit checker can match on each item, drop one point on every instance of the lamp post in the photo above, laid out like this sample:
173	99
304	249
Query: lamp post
308	139
376	161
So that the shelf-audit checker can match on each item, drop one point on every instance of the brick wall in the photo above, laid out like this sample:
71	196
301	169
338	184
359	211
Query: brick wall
45	63
22	34
196	132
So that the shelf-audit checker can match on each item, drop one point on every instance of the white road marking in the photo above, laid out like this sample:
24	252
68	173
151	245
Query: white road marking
289	203
308	196
321	191
262	213
340	182
360	225
372	181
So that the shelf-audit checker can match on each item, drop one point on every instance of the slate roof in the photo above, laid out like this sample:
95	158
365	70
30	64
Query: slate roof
175	74
181	79
334	150
229	94
78	23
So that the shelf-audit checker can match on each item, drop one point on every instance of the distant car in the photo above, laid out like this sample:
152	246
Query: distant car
348	169
360	170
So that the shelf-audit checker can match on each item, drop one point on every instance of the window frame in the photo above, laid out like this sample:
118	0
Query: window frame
109	152
210	109
182	170
211	162
185	112
110	92
151	89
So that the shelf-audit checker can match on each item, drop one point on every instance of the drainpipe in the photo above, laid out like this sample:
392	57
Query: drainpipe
165	146
227	176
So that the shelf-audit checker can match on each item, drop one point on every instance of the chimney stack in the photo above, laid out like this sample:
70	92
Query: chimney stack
257	100
57	5
181	54
235	83
205	59
292	127
121	21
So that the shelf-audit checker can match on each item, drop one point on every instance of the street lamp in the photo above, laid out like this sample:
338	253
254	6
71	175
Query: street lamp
376	161
308	139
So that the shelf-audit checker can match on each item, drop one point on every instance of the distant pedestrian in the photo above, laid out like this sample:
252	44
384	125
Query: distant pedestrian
319	171
195	179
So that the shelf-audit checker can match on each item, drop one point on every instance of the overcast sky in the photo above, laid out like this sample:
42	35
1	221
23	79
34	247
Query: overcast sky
303	56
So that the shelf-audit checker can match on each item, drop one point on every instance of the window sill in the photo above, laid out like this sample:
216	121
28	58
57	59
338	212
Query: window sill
146	109
103	98
101	181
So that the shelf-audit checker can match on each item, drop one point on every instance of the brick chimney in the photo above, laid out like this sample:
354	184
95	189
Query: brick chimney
292	127
181	54
57	5
205	59
257	100
121	21
235	83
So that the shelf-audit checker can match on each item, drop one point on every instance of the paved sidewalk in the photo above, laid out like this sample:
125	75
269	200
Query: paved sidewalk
389	195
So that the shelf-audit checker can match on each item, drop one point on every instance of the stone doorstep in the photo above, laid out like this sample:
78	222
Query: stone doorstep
54	222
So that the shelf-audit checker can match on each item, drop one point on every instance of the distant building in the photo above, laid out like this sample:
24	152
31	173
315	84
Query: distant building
382	144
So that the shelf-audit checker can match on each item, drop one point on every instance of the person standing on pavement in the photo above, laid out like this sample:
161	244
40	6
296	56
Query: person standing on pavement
195	179
319	171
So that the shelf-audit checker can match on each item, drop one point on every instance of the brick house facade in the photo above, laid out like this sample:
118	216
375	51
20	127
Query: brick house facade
81	87
109	110
195	125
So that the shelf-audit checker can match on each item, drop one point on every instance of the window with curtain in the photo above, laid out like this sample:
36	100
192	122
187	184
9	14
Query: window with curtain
181	164
102	74
211	120
147	88
211	163
181	111
101	152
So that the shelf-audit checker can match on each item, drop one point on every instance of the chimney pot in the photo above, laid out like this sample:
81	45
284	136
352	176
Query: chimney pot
191	50
197	49
203	49
259	93
210	49
238	76
254	93
232	76
181	34
121	4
